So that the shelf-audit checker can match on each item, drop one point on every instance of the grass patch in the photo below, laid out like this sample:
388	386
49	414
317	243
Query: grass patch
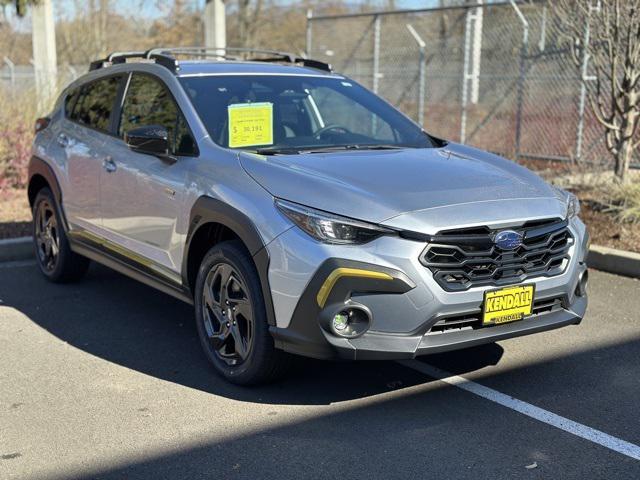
623	201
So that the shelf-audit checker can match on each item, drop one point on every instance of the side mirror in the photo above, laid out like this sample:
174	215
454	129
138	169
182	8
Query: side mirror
151	139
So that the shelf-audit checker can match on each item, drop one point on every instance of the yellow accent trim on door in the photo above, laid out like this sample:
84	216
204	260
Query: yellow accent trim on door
338	273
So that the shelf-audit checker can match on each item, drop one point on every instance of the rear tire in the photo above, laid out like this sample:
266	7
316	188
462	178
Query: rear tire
231	318
54	256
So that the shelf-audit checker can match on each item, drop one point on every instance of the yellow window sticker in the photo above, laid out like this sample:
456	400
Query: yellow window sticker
250	124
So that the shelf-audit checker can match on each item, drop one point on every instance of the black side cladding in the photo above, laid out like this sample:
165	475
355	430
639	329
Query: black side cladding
207	210
38	172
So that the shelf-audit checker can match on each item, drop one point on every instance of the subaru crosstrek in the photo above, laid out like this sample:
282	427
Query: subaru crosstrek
297	211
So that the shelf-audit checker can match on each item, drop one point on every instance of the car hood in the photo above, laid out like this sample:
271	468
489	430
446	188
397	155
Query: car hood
380	185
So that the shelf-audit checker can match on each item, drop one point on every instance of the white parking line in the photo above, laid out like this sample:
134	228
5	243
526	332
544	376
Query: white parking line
575	428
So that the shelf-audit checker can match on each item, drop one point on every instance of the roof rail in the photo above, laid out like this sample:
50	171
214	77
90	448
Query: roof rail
222	52
166	57
121	57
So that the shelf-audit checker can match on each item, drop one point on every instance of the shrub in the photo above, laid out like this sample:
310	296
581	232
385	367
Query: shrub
17	114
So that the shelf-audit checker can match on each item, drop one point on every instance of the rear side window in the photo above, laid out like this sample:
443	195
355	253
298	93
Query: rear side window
95	103
148	102
70	101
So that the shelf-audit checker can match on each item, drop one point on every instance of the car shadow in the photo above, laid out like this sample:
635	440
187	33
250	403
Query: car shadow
125	322
442	433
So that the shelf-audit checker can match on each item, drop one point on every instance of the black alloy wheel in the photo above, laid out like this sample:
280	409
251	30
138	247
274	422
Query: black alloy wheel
47	236
53	254
231	317
228	315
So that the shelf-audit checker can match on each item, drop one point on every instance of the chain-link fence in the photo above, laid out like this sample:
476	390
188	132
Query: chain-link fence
497	76
14	78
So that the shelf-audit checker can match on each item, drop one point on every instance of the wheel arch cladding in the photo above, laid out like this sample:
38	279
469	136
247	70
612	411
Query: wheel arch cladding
212	221
41	175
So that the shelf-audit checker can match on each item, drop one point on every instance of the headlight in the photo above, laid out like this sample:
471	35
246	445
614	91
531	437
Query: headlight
330	228
573	205
570	200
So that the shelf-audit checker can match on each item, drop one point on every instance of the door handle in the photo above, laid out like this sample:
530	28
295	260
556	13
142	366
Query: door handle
63	140
109	165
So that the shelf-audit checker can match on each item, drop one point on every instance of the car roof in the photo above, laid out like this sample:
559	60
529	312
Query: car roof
218	61
230	67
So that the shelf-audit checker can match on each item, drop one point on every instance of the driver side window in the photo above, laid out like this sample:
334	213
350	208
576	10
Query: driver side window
337	109
148	102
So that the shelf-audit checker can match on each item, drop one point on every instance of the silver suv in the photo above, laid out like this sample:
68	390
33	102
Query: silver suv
297	211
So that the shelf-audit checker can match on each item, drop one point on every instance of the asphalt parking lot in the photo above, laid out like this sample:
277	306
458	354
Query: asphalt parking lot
105	379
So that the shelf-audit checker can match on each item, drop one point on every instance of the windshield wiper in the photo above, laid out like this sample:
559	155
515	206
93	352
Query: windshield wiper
274	150
382	146
280	150
333	148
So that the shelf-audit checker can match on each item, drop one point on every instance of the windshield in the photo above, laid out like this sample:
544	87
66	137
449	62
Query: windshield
291	114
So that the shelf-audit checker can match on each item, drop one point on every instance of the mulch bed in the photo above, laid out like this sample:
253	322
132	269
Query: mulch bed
15	214
15	230
606	231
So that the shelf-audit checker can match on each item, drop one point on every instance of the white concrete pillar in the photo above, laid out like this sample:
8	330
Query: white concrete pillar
45	61
215	24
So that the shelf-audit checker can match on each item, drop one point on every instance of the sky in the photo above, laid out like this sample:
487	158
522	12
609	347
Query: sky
64	8
400	4
148	6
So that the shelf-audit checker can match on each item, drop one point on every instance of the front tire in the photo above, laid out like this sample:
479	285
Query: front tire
231	317
54	256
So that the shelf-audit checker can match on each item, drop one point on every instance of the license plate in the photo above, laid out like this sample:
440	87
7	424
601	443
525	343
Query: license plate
507	304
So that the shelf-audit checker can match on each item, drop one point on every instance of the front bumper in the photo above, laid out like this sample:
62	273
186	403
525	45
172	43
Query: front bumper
380	346
408	308
309	335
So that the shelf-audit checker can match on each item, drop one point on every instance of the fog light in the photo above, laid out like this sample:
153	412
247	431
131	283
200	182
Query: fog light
350	321
340	321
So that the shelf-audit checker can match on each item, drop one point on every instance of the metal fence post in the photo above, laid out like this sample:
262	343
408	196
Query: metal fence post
72	71
307	49
421	72
476	51
376	53
465	76
583	93
583	84
12	70
35	79
521	80
543	30
376	66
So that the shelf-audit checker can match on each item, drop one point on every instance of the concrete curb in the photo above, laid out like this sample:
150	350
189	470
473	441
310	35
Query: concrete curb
606	259
16	249
620	262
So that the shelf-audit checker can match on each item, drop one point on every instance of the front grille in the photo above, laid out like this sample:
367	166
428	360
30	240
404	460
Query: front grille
461	259
473	320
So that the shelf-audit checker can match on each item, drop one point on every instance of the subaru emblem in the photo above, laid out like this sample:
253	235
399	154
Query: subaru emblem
508	240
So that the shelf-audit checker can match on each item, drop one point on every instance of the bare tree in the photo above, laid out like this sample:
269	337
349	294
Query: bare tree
81	37
608	33
249	12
